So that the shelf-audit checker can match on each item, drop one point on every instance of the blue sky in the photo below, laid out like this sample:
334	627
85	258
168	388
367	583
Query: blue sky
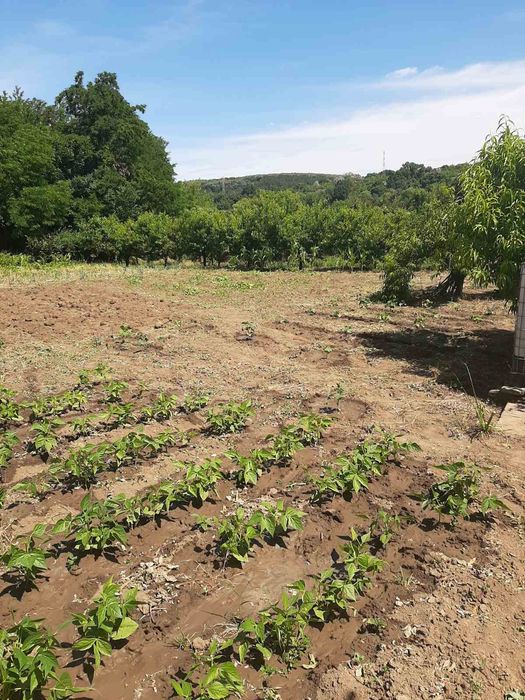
245	86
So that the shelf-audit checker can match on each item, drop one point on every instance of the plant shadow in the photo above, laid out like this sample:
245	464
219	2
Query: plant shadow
449	356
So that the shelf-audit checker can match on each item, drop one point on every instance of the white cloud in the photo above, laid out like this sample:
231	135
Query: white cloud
475	76
431	129
402	72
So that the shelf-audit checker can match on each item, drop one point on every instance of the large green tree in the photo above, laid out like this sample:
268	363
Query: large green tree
124	165
33	195
489	218
89	154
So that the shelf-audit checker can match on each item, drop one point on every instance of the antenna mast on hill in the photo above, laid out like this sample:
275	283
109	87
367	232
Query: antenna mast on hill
384	160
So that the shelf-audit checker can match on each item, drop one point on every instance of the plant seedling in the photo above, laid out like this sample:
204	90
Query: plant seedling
164	407
237	532
375	625
384	526
338	394
106	622
194	402
9	409
45	440
50	406
33	488
351	473
114	390
456	495
29	666
218	680
484	418
26	560
249	468
229	417
95	527
248	330
82	426
7	441
118	414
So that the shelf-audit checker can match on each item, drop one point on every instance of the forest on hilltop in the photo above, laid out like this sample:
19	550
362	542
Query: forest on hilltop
384	187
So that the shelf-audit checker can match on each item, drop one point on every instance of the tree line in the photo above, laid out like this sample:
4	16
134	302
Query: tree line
86	178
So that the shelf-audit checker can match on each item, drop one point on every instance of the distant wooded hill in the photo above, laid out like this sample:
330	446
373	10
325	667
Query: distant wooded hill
370	188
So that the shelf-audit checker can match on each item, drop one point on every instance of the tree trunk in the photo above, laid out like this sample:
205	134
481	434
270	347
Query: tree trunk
451	287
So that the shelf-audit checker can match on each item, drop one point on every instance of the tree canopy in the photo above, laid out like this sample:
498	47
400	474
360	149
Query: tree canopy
88	154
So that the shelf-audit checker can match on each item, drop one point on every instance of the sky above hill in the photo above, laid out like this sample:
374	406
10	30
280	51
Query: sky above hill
254	86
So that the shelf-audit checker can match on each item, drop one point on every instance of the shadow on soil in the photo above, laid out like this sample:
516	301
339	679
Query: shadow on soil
487	353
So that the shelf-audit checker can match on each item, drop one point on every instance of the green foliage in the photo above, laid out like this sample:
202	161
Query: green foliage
45	439
106	622
163	408
41	209
198	482
285	444
25	560
82	426
376	625
158	236
309	428
384	526
196	486
113	391
351	473
10	410
209	679
7	442
250	468
229	417
489	218
95	528
238	532
458	493
118	414
290	438
279	629
194	402
90	377
89	154
83	465
205	234
34	488
86	178
56	405
29	668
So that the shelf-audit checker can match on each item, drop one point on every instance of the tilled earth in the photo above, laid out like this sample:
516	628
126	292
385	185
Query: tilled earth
451	600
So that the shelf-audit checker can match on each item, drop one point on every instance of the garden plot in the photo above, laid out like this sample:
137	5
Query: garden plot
206	540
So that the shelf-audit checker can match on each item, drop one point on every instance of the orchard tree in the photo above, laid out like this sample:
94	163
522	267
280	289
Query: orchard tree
490	216
159	234
260	227
205	234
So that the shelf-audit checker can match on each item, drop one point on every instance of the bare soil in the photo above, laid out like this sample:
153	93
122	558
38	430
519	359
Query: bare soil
452	599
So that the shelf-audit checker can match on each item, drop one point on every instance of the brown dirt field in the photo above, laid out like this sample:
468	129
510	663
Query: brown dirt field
453	600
